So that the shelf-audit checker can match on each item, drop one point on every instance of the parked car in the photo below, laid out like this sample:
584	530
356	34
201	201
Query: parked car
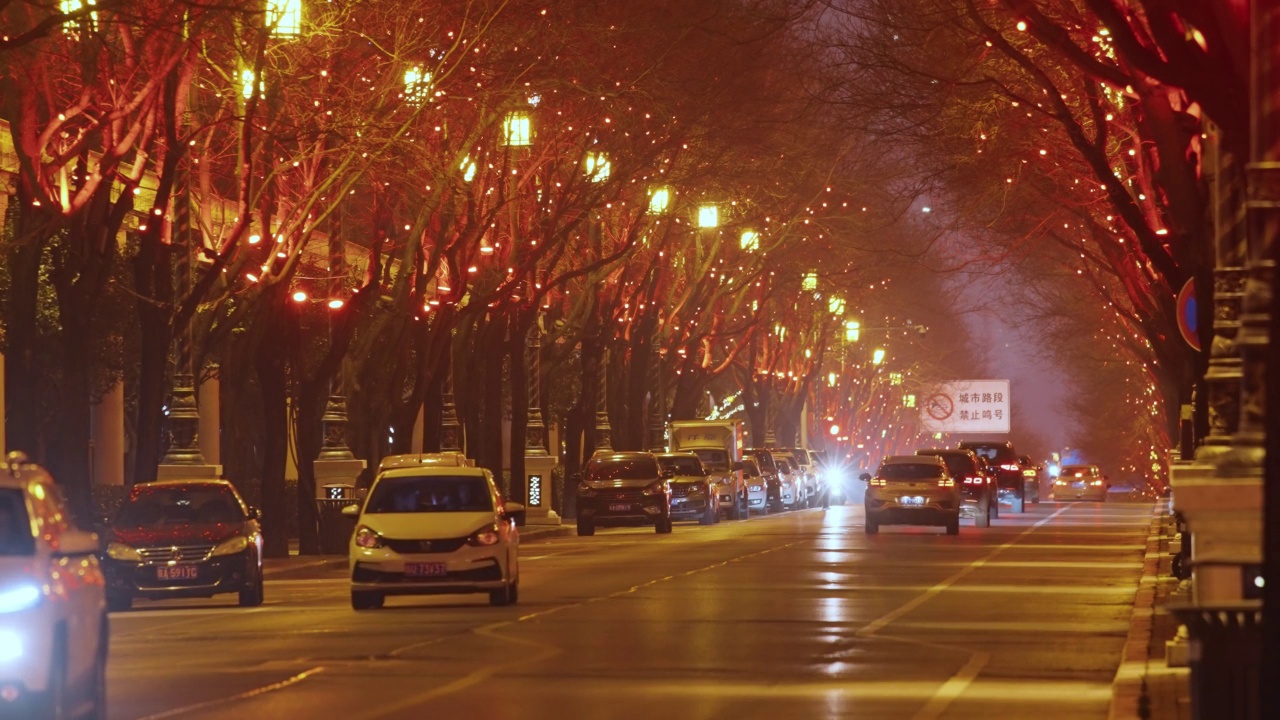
1081	482
53	610
694	493
806	480
781	490
792	482
912	490
624	488
432	527
757	486
1003	461
977	489
183	539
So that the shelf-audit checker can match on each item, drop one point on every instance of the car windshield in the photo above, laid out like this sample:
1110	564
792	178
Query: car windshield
713	459
750	468
682	465
957	464
430	494
764	460
638	469
16	537
180	505
909	471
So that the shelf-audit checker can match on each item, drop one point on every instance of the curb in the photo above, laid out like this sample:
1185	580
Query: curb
1130	691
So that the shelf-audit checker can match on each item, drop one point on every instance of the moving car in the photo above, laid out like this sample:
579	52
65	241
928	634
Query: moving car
1031	476
977	489
1081	482
757	486
53	611
183	539
436	526
912	490
624	488
694	494
1003	460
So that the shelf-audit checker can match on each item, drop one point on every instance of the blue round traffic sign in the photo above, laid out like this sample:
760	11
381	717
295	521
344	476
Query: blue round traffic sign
1187	319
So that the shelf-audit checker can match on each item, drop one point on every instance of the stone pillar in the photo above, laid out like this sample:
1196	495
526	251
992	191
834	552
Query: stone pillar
538	464
657	403
184	459
450	428
335	465
106	423
209	407
604	432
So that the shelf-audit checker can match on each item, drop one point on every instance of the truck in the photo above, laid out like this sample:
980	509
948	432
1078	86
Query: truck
718	444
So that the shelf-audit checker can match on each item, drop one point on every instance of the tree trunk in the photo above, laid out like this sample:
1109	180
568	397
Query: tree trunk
22	366
271	365
70	461
520	401
154	286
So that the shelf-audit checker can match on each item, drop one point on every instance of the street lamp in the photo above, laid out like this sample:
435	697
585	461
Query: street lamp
852	331
877	357
708	216
597	167
659	200
284	17
750	240
517	129
835	304
417	82
809	282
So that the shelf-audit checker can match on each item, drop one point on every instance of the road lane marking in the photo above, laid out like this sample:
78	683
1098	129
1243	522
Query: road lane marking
952	688
209	704
882	622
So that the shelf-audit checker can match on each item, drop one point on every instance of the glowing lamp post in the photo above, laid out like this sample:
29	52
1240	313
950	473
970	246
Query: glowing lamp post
659	200
284	17
417	83
809	282
597	167
852	331
877	357
517	129
708	216
750	241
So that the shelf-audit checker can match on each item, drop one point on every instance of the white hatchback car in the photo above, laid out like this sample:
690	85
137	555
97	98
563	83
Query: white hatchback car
53	608
432	525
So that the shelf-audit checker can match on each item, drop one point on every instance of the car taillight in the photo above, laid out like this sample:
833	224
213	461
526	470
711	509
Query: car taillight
1095	482
1009	466
879	482
972	479
946	482
1029	473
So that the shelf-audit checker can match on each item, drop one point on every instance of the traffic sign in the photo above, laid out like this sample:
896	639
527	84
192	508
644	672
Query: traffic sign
940	406
1188	324
967	406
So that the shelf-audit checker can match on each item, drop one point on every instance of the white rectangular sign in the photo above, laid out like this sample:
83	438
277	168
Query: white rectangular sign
967	406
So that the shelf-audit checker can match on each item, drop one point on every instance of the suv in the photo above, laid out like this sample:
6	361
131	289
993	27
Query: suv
183	539
912	490
434	526
53	613
622	488
694	494
1003	461
977	489
1081	482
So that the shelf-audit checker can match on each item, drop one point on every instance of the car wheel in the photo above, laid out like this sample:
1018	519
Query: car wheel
119	601
953	525
586	528
983	517
873	527
253	595
98	711
993	501
711	515
515	591
502	596
366	600
662	526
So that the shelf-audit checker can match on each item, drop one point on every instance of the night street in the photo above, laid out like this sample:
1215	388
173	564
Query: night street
794	616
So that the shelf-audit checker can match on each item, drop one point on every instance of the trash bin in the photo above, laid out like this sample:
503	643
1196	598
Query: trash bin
335	528
1226	660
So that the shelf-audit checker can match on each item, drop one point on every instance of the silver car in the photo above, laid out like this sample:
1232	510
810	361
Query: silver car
1081	482
757	487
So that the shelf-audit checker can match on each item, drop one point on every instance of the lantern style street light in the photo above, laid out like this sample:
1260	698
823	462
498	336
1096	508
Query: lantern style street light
852	331
517	129
750	241
877	357
284	17
597	167
659	200
835	305
417	83
708	216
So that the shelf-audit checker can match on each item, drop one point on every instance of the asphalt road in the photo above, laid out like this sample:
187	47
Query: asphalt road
799	615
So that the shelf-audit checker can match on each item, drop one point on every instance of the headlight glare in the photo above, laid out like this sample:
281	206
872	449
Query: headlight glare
367	538
656	488
484	537
120	551
232	545
10	646
20	597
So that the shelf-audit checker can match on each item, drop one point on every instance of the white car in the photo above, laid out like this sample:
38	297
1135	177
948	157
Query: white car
432	525
757	489
53	608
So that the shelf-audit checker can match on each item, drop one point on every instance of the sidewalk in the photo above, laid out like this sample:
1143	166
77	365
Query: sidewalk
325	564
1145	687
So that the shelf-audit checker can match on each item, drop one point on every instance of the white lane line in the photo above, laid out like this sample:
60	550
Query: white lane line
208	704
882	622
952	688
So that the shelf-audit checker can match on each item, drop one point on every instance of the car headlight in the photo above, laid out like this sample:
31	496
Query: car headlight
585	490
657	488
120	551
20	597
231	546
368	538
10	646
696	489
756	488
484	536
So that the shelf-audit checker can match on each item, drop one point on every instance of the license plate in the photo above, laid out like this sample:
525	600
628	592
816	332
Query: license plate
620	507
915	500
1078	486
424	569
177	572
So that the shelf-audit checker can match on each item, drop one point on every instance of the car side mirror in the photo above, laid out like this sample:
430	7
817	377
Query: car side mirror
77	542
668	474
255	513
515	511
865	477
351	510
